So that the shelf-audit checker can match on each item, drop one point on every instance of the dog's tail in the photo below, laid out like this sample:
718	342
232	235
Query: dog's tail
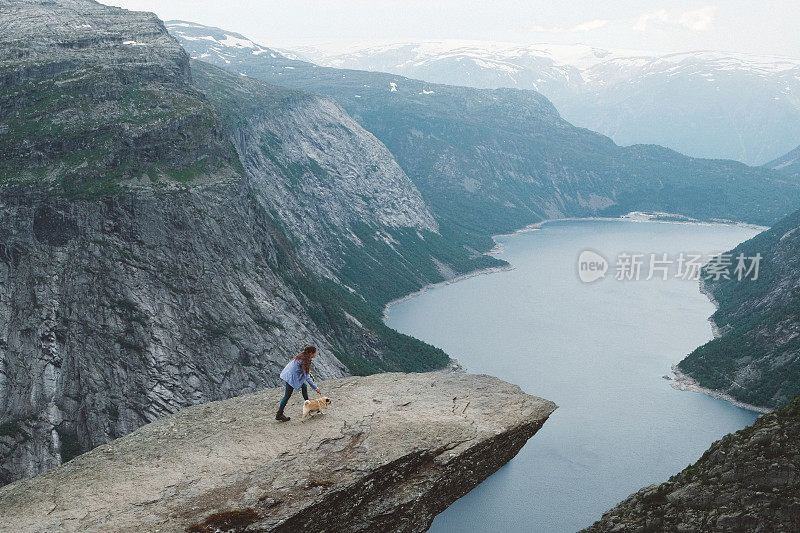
306	402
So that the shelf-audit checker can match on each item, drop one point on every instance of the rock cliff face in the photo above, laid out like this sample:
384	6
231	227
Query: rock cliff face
757	358
116	312
391	452
354	214
330	183
748	481
143	268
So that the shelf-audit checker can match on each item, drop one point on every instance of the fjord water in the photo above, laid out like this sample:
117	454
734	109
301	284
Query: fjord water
599	351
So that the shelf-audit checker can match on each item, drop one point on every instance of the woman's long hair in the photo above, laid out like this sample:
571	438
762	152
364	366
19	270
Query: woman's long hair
305	358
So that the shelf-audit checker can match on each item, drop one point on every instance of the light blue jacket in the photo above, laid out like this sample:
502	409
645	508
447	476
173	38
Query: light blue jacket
293	375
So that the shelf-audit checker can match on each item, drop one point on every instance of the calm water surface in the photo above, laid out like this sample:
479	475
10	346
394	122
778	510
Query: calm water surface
599	351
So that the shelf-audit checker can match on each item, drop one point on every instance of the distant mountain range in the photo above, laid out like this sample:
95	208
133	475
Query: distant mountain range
703	104
788	164
494	160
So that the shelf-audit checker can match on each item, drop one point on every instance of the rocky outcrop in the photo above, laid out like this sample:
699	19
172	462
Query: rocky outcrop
391	452
116	312
45	38
124	296
748	481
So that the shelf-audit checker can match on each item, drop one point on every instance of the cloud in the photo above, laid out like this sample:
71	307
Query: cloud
589	25
644	20
700	19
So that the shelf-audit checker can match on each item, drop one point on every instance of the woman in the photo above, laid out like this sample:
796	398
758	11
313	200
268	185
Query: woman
295	374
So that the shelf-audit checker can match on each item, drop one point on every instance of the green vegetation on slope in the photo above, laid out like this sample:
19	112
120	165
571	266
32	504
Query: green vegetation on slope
365	344
757	360
380	264
88	133
788	164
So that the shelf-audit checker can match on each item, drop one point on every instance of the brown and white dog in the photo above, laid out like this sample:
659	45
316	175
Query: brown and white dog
315	405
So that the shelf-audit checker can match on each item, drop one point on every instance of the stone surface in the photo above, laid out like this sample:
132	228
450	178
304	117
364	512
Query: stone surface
747	481
391	452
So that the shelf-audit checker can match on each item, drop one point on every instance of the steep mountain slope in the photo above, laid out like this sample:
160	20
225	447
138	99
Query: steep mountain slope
705	104
788	164
757	359
747	481
144	267
354	214
494	160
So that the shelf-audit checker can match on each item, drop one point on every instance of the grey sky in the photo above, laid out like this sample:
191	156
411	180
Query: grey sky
763	27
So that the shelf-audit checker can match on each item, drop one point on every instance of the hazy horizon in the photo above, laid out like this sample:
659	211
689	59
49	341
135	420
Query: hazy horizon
659	27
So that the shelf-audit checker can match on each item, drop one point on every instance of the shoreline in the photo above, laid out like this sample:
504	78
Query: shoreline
681	381
455	279
685	382
705	291
645	217
497	249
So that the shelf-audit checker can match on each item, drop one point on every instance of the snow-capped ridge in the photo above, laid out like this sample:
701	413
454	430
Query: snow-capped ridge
705	103
226	42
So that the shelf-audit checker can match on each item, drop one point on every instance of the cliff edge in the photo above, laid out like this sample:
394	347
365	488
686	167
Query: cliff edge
391	452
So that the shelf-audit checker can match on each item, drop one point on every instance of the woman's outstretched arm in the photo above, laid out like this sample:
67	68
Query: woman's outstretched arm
311	382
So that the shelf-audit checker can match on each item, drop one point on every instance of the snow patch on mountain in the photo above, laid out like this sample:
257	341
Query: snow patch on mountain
512	58
703	103
226	44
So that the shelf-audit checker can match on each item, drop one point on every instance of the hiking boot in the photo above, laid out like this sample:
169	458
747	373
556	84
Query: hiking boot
280	417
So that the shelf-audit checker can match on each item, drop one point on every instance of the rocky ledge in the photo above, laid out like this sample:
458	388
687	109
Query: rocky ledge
391	452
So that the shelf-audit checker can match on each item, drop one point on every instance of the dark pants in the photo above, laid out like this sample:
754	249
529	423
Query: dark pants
288	394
